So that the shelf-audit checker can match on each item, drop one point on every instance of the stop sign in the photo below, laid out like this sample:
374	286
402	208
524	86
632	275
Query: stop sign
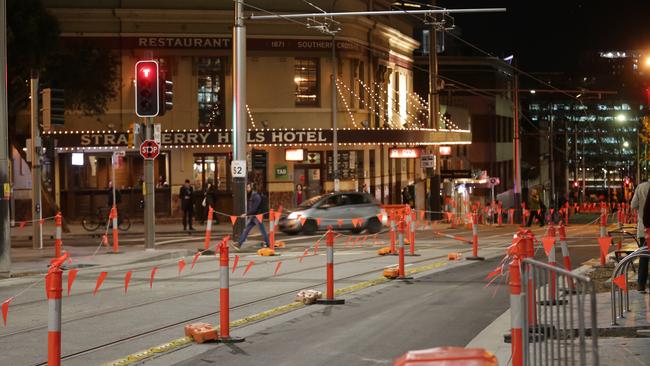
149	149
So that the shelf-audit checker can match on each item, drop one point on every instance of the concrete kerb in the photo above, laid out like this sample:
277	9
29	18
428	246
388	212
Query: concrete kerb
257	322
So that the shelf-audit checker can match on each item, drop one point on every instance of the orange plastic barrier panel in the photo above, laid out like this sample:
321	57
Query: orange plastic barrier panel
448	356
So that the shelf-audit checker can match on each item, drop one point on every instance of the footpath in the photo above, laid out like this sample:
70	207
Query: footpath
625	344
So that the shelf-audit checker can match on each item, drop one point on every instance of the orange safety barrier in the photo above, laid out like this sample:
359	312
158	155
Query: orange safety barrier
448	356
54	291
224	294
58	220
329	297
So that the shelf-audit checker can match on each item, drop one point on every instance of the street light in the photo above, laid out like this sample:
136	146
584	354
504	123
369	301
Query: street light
621	117
626	144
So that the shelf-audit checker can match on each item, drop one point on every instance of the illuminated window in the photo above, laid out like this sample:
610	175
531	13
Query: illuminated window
305	77
211	169
210	93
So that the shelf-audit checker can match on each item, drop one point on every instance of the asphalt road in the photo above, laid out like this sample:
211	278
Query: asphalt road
444	309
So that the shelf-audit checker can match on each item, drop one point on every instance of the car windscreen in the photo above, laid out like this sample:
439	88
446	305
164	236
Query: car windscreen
310	202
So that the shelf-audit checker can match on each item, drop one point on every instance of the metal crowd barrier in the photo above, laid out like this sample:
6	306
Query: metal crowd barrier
620	297
560	316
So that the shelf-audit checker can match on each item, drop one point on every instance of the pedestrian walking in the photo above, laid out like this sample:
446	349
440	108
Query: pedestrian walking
209	198
536	208
185	195
118	195
406	196
255	207
641	204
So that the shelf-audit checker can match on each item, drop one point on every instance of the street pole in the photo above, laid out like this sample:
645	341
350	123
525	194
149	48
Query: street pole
552	161
516	154
5	233
434	117
37	240
638	158
335	155
239	113
149	194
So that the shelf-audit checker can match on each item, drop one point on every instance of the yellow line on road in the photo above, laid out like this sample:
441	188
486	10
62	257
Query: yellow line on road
185	341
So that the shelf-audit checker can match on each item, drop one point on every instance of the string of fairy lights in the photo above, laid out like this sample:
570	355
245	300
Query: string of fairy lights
345	103
250	116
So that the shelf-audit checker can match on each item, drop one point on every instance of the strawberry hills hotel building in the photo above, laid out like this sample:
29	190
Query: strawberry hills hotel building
383	127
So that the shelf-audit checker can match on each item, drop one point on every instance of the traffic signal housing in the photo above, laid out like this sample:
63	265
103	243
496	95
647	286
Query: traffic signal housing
166	95
147	89
53	107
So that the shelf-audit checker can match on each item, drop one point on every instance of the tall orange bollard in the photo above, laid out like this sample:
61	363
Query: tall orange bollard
475	256
516	311
401	271
329	296
603	230
58	243
208	228
54	290
113	215
272	229
412	226
224	295
393	234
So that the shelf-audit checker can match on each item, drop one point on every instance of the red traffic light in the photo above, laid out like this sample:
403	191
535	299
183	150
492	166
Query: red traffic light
147	89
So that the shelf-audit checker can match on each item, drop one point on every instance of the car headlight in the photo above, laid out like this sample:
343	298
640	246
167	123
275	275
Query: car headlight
293	216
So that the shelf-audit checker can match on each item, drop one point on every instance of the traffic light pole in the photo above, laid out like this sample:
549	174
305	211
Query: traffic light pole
5	234
239	129
37	210
434	117
149	192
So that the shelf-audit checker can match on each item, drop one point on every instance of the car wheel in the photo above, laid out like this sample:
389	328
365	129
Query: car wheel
373	226
310	227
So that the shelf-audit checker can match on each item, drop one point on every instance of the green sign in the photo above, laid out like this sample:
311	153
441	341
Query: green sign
281	171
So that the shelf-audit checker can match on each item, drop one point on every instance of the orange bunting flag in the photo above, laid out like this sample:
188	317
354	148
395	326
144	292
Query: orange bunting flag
552	211
72	274
496	272
181	266
278	215
5	310
548	242
248	267
340	222
302	220
234	263
277	268
100	280
304	254
233	219
127	279
604	243
105	239
196	257
41	221
422	215
153	273
22	224
380	217
259	217
620	282
318	221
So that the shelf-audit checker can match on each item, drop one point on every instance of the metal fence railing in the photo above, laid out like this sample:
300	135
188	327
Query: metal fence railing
620	298
560	316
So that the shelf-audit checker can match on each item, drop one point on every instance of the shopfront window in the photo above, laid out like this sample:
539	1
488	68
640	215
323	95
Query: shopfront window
211	169
306	80
210	92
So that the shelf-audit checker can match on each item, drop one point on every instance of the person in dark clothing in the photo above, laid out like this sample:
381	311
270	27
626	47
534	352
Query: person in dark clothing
187	204
254	205
406	196
210	198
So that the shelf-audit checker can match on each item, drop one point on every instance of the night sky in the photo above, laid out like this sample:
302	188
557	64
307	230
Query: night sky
552	35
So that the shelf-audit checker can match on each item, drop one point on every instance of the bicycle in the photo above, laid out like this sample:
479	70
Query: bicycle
92	222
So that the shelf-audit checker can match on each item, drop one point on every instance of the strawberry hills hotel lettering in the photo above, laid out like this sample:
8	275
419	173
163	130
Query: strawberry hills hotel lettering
198	138
100	139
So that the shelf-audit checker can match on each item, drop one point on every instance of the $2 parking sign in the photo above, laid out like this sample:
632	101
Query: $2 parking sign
238	168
